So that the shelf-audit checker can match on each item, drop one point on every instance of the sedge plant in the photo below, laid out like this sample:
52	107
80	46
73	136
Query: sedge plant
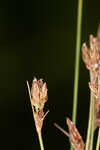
38	98
38	93
91	58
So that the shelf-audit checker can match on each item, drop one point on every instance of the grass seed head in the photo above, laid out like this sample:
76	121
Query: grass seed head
74	136
38	98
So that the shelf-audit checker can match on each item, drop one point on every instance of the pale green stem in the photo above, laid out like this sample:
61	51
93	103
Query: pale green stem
98	141
41	141
89	130
90	125
77	60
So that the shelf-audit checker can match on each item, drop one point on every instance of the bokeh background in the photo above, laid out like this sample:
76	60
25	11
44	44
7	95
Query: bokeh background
37	39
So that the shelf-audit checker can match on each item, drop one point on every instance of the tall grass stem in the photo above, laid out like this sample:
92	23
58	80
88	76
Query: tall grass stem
77	60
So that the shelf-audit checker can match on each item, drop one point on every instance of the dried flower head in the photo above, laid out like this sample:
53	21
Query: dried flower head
74	136
38	97
91	57
38	94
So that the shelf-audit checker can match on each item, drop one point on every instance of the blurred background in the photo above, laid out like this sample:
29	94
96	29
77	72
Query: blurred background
37	39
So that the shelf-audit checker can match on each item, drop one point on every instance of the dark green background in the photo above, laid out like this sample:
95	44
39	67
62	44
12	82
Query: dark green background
37	39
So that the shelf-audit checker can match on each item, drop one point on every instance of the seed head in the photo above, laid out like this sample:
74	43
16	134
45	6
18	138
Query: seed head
38	97
38	94
74	136
91	56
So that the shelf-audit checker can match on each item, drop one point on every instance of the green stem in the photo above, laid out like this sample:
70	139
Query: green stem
98	141
92	124
77	59
41	141
90	131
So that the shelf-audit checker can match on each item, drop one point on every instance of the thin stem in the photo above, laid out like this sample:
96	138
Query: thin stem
41	141
88	140
89	130
98	141
61	129
78	40
77	60
92	126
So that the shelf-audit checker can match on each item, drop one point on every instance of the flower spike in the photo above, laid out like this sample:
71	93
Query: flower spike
38	98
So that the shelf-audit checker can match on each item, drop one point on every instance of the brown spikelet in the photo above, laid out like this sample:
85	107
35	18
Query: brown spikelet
38	98
91	58
74	136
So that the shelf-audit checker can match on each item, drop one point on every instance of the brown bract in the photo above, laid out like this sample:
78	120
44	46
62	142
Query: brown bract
74	136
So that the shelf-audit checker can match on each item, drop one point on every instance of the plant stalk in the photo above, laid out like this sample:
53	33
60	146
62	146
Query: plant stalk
92	124
41	141
77	60
89	140
98	140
